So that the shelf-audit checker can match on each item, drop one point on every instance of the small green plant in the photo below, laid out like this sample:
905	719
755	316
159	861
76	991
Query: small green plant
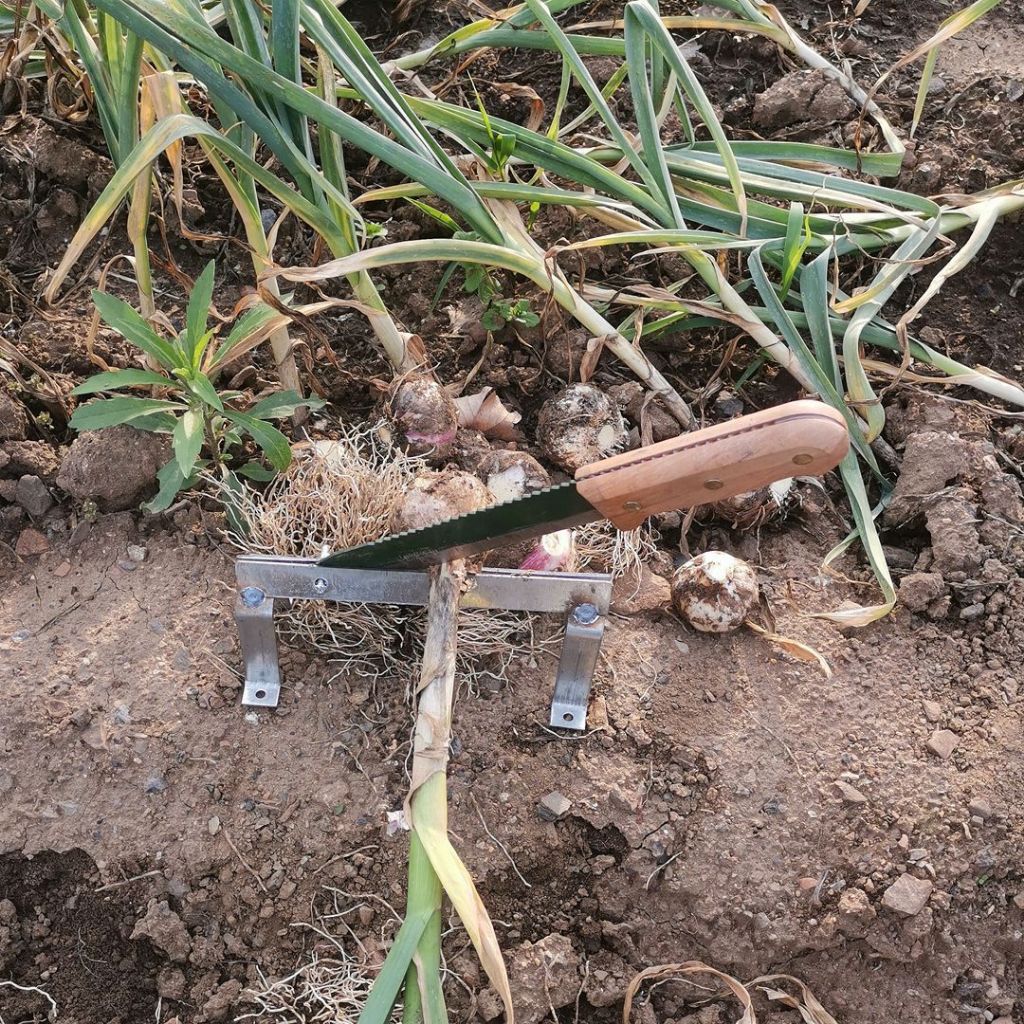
505	311
205	426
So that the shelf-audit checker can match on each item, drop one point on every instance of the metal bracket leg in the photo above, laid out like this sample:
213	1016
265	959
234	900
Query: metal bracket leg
583	632
254	616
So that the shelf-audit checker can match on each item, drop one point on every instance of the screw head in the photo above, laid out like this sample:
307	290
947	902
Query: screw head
803	458
320	585
585	613
252	597
714	485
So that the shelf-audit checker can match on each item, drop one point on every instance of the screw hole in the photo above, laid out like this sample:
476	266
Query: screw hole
568	716
260	694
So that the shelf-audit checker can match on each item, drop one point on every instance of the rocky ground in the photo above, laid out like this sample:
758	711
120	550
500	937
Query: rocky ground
163	852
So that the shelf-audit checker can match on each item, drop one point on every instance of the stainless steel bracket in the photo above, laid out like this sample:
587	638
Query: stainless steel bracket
582	597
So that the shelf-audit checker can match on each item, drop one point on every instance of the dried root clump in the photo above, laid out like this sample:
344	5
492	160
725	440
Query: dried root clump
579	426
331	986
602	547
335	495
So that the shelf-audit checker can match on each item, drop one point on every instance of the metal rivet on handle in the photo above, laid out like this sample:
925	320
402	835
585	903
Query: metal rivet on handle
714	485
632	506
320	585
803	458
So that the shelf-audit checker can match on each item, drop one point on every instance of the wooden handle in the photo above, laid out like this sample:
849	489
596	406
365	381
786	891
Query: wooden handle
803	438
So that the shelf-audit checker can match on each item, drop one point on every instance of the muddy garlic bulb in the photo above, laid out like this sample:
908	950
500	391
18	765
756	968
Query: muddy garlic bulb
714	592
579	426
435	496
752	508
424	416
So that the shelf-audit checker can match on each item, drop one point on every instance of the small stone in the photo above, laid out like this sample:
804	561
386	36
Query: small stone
137	553
155	784
942	743
980	807
932	711
971	612
807	884
635	593
33	496
31	543
1018	900
907	896
850	794
287	890
553	806
213	825
917	854
62	570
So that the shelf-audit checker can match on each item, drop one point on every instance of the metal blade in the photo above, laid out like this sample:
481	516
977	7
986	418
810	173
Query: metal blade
555	508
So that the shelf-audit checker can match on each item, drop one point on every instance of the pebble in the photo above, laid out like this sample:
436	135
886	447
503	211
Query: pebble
137	553
31	543
155	784
213	825
553	806
33	496
850	794
907	896
287	890
942	743
980	808
932	710
972	611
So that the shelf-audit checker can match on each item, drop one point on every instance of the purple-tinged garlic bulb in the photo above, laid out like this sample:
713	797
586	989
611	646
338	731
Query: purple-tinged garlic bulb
715	592
579	426
552	552
424	416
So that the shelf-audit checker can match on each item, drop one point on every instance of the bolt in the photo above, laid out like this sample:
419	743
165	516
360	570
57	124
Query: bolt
320	585
252	597
585	614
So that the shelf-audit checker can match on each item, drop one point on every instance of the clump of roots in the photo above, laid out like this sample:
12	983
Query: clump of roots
602	547
338	494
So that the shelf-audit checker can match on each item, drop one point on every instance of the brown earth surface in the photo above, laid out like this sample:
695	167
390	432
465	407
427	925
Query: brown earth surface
161	848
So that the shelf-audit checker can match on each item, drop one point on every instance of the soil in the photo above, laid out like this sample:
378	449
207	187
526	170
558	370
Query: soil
161	849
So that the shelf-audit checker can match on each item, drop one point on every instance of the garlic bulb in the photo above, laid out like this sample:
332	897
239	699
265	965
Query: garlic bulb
579	426
553	551
714	592
752	508
436	496
425	416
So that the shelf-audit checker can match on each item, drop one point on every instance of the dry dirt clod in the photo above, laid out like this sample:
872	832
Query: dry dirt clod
543	974
855	913
802	96
932	710
942	743
13	418
907	896
115	467
165	931
33	457
919	589
579	426
638	591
